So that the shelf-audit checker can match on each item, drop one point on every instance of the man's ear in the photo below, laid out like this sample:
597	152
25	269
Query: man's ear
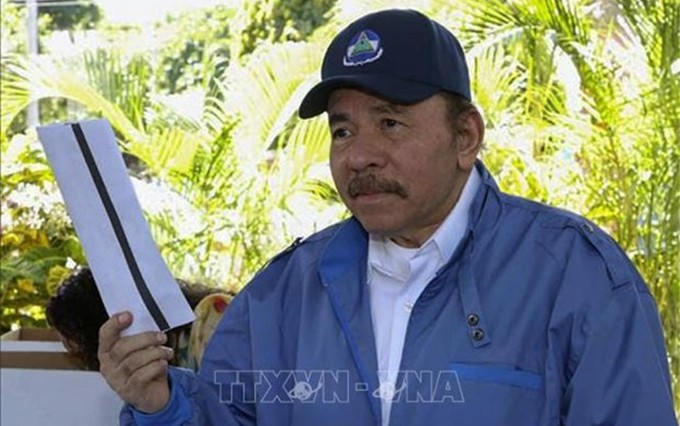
470	137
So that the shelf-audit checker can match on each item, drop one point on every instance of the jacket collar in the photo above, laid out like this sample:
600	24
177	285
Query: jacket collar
486	207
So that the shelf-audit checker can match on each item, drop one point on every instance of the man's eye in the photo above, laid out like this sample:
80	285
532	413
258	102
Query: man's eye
339	133
389	123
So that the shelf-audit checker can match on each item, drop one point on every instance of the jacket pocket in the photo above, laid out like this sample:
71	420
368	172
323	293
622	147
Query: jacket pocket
497	374
474	394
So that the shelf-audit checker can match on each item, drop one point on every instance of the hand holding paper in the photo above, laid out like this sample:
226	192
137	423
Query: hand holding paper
135	366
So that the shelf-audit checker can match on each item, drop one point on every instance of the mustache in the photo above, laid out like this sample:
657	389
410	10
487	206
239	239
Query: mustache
371	184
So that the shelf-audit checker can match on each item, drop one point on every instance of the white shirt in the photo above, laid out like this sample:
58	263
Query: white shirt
396	278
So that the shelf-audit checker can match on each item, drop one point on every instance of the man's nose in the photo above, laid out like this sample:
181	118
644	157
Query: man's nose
368	151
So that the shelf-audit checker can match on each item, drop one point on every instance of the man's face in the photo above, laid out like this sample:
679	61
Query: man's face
399	169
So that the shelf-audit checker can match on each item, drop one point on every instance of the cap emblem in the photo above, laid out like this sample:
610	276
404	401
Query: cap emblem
363	48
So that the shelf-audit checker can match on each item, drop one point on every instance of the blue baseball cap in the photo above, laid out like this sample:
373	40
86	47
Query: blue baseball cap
399	55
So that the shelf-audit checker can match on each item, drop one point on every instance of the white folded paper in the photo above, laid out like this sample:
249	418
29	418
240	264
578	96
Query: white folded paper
127	266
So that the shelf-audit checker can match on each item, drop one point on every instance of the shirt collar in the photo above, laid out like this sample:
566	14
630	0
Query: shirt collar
452	230
445	239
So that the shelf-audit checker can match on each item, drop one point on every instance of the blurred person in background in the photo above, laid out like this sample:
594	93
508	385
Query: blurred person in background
77	312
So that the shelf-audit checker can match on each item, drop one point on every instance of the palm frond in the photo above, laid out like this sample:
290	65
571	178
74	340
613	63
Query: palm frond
27	80
32	264
305	145
122	81
497	80
167	151
263	93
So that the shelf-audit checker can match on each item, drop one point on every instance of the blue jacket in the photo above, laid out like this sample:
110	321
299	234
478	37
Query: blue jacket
538	318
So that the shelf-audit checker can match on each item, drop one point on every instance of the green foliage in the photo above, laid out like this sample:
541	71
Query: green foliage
216	188
196	50
277	21
12	27
50	18
82	16
239	181
38	247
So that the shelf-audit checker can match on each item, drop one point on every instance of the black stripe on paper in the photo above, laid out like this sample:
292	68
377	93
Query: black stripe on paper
143	289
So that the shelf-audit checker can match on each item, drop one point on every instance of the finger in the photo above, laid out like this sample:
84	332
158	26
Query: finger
139	359
110	331
127	346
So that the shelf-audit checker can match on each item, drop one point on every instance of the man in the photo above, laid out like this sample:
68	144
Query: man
442	301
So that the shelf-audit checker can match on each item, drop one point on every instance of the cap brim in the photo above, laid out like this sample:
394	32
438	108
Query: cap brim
392	89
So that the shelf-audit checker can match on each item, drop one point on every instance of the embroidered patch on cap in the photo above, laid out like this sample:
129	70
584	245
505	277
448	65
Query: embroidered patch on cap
363	48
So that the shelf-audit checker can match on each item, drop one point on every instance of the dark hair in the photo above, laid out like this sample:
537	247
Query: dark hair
195	292
77	312
457	107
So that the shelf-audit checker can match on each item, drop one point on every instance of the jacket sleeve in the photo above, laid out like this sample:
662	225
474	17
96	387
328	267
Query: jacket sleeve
621	376
218	395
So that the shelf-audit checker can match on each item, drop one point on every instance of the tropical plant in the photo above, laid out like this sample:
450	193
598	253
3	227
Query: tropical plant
224	181
76	15
37	245
12	24
196	48
277	21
